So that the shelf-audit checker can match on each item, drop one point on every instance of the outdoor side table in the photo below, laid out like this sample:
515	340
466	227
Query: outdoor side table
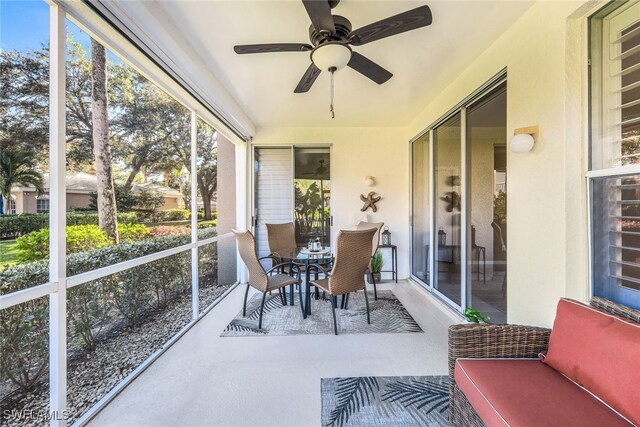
394	261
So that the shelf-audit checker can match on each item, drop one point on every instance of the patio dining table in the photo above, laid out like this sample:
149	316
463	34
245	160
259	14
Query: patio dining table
311	260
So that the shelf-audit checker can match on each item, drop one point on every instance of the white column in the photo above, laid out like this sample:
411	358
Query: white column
57	219
194	214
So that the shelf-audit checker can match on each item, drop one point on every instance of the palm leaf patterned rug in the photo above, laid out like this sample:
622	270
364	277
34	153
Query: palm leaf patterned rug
385	401
388	315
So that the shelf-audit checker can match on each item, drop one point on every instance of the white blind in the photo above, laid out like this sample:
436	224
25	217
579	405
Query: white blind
620	196
621	87
274	191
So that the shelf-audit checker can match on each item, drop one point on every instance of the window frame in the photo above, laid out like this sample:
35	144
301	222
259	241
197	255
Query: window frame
600	167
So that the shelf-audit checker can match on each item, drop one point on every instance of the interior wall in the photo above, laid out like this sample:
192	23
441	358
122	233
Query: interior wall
544	55
355	153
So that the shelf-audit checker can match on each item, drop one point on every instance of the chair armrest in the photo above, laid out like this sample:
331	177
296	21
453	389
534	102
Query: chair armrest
277	266
497	341
320	269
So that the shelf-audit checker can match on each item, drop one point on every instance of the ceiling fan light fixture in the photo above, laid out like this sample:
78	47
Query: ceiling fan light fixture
331	55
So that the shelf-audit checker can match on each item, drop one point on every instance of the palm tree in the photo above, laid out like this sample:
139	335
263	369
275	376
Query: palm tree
18	167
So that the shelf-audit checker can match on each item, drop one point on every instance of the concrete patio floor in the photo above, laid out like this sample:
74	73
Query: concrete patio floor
206	380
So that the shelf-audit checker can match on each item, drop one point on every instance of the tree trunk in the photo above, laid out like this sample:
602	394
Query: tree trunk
99	117
206	199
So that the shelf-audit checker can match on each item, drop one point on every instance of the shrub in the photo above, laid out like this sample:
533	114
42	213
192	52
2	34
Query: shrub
24	328
174	215
132	232
133	293
169	230
207	224
35	246
12	226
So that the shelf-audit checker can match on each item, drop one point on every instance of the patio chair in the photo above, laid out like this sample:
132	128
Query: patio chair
363	225
258	277
352	257
282	240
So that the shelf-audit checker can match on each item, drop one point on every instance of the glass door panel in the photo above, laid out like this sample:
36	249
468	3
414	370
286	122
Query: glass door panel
486	135
447	208
312	182
421	210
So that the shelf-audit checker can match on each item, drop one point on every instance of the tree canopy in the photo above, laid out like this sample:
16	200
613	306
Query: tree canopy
149	131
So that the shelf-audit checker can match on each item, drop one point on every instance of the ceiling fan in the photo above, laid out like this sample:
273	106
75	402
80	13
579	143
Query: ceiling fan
331	37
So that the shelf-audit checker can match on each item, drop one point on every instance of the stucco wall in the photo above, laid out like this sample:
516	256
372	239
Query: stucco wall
358	152
78	201
226	207
544	55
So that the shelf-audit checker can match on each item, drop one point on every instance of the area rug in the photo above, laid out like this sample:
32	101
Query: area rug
385	401
388	315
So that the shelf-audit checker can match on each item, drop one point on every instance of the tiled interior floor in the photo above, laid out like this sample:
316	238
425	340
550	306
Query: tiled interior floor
206	380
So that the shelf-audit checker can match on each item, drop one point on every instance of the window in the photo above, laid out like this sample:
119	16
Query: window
11	207
615	152
42	205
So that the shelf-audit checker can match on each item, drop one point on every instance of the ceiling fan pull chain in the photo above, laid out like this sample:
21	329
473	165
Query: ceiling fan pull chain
333	114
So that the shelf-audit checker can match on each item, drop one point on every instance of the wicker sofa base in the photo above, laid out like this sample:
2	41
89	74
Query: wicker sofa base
463	414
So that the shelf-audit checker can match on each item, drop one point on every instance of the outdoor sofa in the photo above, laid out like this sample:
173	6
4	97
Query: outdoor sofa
584	372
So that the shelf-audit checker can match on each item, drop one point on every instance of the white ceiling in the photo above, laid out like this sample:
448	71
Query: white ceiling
422	61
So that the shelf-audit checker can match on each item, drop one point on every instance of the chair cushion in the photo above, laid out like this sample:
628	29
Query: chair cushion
321	283
279	280
526	392
599	351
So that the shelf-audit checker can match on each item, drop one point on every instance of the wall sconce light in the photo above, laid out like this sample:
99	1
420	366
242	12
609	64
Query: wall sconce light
368	181
523	139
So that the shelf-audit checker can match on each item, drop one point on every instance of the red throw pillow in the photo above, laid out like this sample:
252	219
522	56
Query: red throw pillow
600	352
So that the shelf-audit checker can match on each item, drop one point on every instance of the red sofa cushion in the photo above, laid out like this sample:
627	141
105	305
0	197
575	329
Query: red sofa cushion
599	351
526	392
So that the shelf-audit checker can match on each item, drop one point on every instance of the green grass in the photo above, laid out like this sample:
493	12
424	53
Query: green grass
8	253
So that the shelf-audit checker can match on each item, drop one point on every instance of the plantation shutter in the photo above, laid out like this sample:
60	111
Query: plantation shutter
274	191
616	197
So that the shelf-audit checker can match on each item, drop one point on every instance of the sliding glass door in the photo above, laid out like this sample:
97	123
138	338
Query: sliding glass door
292	184
421	173
486	131
459	204
448	204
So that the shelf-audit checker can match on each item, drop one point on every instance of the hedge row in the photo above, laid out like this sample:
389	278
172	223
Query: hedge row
94	309
12	226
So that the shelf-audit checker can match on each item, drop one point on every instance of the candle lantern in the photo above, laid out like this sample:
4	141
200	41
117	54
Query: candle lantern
442	237
386	237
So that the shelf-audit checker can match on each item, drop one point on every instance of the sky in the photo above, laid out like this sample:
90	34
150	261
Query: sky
24	24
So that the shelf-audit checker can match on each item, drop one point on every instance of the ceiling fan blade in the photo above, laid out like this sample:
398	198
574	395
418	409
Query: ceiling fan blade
369	68
406	21
320	13
272	47
307	80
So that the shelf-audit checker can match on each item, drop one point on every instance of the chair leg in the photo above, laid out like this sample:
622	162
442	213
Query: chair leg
366	301
264	295
304	314
344	297
375	291
283	298
244	306
346	302
291	290
333	311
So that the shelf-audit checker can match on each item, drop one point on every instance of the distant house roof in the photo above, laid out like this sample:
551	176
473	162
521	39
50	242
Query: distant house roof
82	182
